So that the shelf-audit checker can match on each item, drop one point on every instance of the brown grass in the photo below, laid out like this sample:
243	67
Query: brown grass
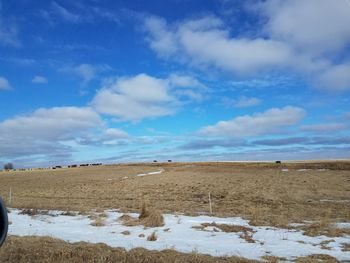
345	247
49	250
148	218
256	191
324	227
152	237
246	234
273	259
98	220
320	258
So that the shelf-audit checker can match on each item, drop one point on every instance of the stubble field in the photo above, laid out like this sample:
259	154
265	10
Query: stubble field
266	194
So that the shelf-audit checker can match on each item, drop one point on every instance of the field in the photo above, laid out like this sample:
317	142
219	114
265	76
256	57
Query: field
264	194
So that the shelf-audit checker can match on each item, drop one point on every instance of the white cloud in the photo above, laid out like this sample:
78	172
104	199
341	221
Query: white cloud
241	102
310	45
313	25
65	13
39	80
263	123
144	96
327	127
206	42
336	77
4	84
44	130
115	133
86	72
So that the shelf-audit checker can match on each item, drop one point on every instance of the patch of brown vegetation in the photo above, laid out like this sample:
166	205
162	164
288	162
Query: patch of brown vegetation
320	258
228	228
256	191
152	237
325	243
33	212
49	250
273	259
98	220
246	232
324	227
345	247
148	218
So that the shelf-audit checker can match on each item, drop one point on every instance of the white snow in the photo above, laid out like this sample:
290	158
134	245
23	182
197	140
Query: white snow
150	173
181	235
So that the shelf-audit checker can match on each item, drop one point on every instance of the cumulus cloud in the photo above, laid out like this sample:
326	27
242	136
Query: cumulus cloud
143	96
263	123
313	25
42	131
310	45
39	80
206	42
4	84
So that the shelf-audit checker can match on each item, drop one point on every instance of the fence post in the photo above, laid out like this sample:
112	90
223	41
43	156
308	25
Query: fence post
210	207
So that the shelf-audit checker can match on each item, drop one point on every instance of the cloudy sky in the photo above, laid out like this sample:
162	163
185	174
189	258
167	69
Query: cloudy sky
187	80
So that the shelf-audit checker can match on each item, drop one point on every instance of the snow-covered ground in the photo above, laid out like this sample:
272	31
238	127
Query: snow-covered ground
178	233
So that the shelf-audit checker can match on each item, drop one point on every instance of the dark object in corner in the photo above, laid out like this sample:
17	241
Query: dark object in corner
3	222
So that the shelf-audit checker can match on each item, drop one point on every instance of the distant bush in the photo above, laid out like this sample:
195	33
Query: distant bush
8	166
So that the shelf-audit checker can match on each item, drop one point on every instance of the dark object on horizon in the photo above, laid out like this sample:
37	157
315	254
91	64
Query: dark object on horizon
58	166
169	161
8	166
84	164
154	161
95	164
3	222
72	166
278	162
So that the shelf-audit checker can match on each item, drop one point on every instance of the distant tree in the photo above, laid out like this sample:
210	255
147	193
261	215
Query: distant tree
8	166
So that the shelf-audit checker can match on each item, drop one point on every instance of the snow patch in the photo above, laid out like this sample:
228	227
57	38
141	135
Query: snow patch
179	233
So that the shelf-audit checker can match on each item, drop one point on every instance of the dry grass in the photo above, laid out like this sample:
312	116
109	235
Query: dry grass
152	237
256	191
246	232
273	259
345	247
126	233
98	219
148	218
324	227
49	250
319	258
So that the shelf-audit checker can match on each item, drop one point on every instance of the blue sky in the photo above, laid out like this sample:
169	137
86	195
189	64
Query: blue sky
125	81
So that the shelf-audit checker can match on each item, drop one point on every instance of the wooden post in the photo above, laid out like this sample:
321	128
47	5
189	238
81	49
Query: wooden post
210	207
10	196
